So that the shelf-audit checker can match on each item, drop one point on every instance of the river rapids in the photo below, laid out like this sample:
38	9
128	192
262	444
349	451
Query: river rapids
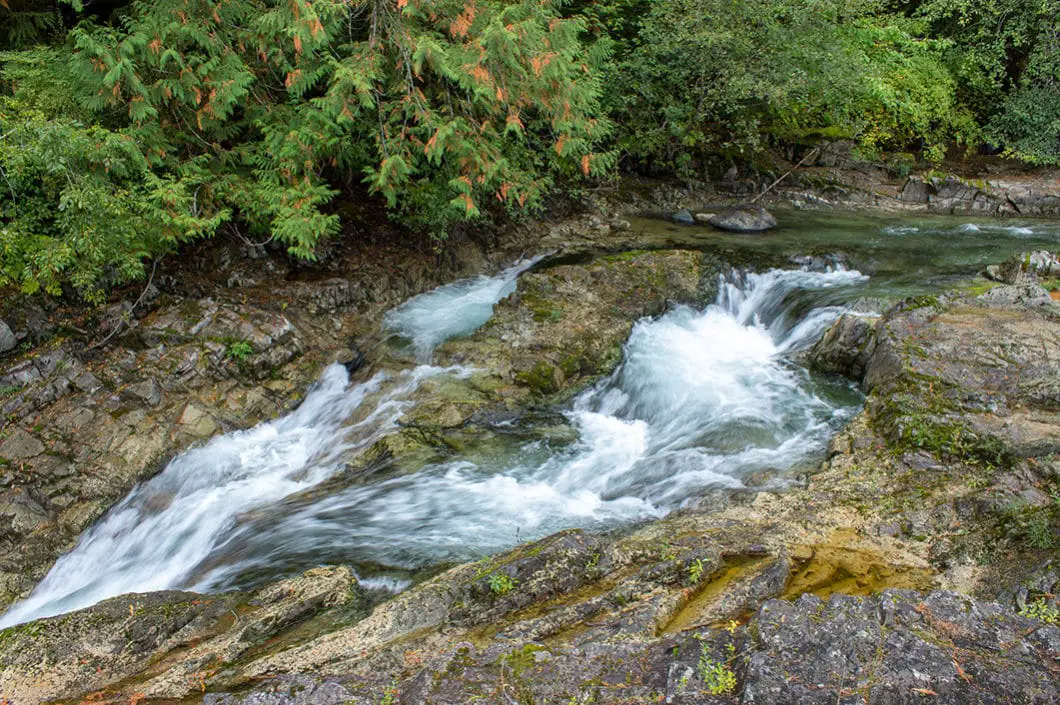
704	399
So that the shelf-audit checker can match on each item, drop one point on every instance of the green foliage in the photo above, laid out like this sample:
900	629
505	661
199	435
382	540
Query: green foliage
717	677
712	76
25	22
390	696
695	571
501	583
1005	58
1033	526
1028	123
185	117
148	125
1042	611
79	202
239	351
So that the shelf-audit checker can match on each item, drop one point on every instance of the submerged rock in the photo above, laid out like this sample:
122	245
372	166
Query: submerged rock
846	347
744	219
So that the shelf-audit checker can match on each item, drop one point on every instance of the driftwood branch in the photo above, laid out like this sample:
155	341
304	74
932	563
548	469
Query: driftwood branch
128	314
812	153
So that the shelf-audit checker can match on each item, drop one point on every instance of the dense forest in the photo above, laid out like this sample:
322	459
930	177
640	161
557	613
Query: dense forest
128	128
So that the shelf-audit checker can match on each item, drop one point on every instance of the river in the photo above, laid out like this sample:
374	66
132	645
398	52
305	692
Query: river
705	398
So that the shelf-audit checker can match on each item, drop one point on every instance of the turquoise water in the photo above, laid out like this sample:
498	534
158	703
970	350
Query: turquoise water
903	255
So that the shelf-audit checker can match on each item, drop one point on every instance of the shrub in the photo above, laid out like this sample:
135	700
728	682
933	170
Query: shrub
716	77
188	116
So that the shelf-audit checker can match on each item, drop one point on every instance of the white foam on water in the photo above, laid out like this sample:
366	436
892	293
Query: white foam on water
155	537
965	229
452	310
703	399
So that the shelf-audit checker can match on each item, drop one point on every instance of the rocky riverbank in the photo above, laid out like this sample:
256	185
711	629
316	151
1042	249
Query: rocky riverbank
917	562
839	179
942	494
231	336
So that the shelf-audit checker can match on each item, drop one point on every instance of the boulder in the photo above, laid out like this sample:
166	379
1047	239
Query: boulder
819	263
683	217
744	219
845	348
351	358
8	341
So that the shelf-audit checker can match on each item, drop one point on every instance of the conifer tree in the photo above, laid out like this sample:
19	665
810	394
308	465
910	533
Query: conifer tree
248	112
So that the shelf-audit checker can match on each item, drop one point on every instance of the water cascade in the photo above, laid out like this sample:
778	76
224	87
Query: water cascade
703	399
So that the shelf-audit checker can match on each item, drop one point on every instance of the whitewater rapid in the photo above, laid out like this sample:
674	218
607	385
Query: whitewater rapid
704	398
453	310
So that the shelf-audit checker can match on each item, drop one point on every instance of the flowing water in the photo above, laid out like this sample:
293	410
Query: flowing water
705	398
454	310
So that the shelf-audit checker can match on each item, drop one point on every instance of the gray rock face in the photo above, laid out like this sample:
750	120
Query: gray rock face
845	348
954	195
147	392
983	364
21	445
916	190
837	154
745	219
1029	293
121	635
900	647
292	690
8	341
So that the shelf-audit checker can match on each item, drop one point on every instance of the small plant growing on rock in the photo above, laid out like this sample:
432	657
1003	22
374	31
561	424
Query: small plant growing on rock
717	677
1042	611
501	583
1029	524
390	696
240	351
695	571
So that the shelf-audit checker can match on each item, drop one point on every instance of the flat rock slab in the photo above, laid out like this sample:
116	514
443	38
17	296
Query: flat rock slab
898	647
